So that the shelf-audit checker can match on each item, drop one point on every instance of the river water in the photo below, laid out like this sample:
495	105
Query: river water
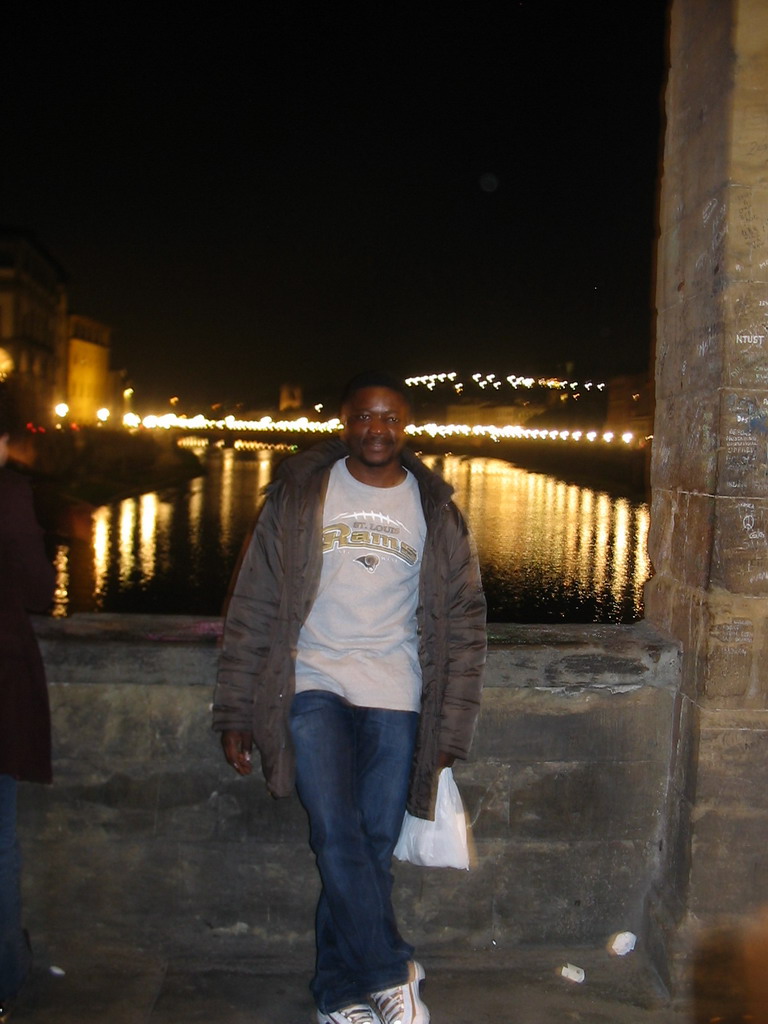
549	551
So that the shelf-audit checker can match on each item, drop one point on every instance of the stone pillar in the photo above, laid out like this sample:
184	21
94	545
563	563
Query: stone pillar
710	457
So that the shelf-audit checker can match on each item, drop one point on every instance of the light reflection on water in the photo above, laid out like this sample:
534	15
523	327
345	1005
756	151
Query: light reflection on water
549	551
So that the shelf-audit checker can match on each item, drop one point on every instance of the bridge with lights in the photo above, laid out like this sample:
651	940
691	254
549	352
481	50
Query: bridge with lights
617	457
596	457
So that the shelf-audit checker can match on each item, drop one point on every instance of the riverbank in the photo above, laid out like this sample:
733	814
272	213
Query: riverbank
617	469
73	472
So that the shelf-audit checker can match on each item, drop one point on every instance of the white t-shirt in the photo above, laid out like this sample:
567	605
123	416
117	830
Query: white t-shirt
359	639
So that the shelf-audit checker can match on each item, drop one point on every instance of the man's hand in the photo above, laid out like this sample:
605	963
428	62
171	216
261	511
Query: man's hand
444	760
237	749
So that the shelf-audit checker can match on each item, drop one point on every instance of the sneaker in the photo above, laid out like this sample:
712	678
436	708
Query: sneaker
360	1013
402	1004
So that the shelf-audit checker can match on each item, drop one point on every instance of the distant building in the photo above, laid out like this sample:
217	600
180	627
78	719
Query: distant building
48	355
630	405
33	321
476	414
291	397
88	382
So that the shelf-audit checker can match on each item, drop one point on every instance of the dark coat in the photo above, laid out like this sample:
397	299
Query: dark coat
276	585
26	584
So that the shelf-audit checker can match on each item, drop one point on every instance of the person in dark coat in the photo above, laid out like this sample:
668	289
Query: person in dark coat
26	585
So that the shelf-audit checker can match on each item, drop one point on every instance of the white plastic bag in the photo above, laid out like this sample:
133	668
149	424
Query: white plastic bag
442	843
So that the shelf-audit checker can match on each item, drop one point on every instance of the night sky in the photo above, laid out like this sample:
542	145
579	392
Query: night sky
280	191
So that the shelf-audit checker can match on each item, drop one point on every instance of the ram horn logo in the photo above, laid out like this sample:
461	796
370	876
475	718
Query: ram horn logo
369	562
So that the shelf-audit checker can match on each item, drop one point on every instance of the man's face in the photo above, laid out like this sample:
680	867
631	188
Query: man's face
374	427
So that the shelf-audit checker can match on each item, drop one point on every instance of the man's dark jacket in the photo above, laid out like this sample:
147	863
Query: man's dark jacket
274	591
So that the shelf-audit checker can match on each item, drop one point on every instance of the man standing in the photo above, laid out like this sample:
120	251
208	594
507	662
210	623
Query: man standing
352	659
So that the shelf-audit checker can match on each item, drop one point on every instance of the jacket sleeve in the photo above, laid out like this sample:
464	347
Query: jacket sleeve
467	642
251	617
27	573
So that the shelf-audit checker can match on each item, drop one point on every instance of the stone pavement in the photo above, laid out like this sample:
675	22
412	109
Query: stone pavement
523	986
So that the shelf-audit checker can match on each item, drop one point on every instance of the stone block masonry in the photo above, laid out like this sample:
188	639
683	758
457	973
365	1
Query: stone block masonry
147	836
709	473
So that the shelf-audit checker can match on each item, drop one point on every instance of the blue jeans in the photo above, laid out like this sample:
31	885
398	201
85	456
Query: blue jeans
14	953
352	770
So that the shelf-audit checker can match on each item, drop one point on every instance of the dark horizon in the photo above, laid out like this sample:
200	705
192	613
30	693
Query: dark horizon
298	196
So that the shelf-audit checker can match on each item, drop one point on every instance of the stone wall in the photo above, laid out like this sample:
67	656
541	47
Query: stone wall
709	519
147	837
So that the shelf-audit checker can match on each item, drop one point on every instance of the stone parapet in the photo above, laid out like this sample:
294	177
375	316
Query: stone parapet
148	836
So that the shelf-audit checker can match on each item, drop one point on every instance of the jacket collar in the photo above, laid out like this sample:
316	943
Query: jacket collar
322	456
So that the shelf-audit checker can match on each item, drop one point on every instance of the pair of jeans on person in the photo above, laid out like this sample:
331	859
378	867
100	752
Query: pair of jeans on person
353	766
14	951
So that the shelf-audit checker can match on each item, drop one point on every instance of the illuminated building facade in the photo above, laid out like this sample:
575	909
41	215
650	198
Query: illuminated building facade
49	356
87	387
33	321
291	396
479	414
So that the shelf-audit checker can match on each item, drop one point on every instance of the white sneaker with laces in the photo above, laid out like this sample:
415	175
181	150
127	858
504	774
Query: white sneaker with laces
360	1013
402	1004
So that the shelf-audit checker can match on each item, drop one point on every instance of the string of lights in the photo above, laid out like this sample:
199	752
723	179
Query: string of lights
303	425
493	381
